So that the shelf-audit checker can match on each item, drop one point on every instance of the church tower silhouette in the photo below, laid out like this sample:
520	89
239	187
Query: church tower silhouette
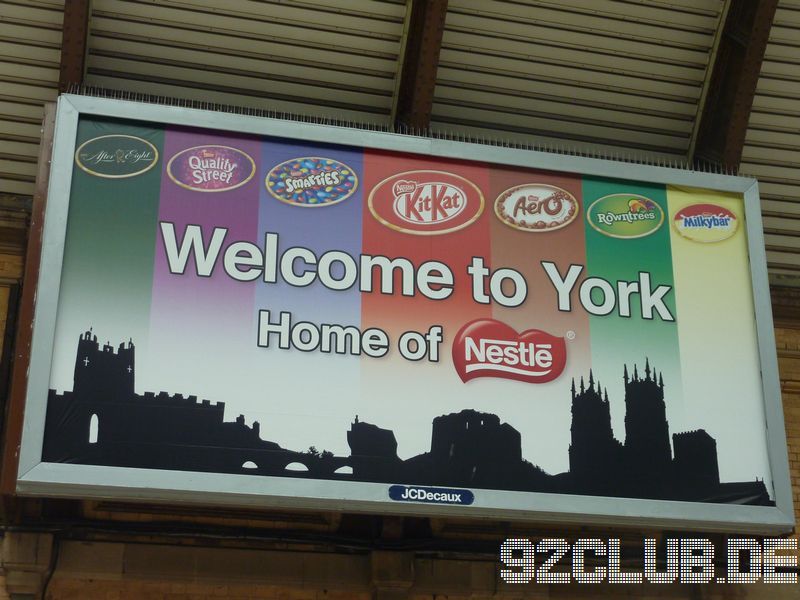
647	448
594	452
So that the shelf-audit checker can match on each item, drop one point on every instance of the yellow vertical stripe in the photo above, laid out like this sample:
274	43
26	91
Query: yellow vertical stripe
716	329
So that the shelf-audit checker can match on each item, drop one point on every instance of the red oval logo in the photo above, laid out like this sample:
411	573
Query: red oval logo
705	223
490	348
426	202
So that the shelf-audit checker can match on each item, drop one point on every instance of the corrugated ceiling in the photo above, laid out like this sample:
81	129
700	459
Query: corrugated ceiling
617	77
603	75
319	57
772	146
30	51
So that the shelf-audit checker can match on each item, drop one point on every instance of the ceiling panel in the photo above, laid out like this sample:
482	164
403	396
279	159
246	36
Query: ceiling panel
594	74
314	57
772	144
30	51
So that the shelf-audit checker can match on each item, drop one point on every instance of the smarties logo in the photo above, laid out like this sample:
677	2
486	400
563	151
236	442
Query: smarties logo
311	182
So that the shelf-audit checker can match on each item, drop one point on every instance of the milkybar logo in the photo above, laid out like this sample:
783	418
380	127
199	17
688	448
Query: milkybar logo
705	223
490	348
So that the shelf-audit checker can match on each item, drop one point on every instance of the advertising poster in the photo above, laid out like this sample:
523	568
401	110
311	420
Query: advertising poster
274	309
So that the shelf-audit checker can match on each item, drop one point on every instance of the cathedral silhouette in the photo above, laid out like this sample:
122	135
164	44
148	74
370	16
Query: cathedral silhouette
103	421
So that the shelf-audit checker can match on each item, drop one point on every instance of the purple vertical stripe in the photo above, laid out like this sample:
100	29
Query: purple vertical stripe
179	302
323	228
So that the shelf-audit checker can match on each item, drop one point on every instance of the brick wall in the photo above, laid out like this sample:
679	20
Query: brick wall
10	268
160	570
788	345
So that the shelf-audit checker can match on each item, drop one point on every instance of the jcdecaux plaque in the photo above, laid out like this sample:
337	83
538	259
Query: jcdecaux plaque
250	311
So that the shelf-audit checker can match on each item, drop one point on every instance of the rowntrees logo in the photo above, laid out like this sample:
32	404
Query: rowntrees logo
705	223
311	181
116	156
625	216
426	202
536	207
490	348
211	168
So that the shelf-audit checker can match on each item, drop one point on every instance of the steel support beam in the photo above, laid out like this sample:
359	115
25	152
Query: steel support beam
74	43
734	76
19	369
420	62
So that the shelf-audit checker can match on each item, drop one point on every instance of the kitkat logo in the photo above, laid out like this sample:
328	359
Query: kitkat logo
490	348
426	202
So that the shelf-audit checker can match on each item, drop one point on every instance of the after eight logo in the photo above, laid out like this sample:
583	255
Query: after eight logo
116	156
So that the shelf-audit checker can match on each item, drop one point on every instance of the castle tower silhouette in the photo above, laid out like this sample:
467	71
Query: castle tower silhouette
102	373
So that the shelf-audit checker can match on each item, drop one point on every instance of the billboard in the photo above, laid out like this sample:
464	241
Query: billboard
251	311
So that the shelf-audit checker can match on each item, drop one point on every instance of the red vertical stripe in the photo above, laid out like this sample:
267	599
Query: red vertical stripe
524	251
395	313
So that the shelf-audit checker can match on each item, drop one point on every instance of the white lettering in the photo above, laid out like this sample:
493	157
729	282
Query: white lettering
192	245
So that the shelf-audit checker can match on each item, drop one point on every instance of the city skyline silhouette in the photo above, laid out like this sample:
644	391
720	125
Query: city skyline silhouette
103	421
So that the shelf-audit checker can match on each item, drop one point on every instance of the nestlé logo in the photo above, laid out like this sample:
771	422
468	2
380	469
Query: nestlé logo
116	156
490	348
536	207
211	168
426	202
705	223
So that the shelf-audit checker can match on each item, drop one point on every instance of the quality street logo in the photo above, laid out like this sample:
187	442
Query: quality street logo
211	168
490	348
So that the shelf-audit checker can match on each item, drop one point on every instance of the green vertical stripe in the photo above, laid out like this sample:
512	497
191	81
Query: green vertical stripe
110	244
620	340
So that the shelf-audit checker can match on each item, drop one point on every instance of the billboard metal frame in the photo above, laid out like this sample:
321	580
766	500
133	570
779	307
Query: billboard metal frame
36	478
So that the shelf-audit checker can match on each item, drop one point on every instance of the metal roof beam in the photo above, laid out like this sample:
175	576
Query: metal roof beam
414	99
75	36
723	123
